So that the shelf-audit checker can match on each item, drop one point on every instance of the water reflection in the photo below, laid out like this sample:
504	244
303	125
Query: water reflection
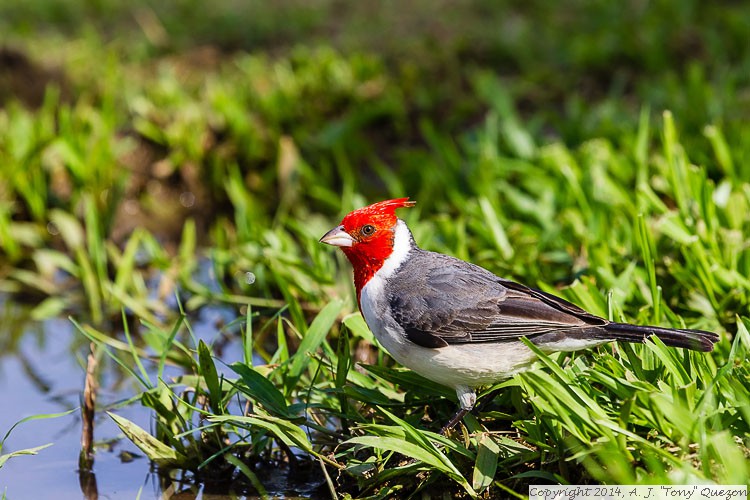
42	370
87	480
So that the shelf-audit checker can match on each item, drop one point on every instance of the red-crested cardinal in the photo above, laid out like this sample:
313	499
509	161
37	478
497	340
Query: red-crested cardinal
457	323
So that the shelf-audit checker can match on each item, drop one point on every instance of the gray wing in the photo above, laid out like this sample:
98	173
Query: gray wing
440	300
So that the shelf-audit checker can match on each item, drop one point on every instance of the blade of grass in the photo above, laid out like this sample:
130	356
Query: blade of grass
154	449
210	375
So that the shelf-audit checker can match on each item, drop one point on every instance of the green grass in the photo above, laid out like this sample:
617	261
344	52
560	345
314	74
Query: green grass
157	176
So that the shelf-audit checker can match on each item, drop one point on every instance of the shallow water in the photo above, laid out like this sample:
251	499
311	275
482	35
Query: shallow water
42	371
44	376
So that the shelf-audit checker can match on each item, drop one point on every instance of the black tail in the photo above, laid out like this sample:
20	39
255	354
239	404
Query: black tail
697	340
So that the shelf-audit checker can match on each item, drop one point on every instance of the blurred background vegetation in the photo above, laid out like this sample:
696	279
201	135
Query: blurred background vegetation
142	143
251	111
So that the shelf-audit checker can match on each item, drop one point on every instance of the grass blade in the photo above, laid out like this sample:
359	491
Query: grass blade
154	449
210	375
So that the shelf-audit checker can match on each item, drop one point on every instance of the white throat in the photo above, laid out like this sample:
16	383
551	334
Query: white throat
374	300
402	245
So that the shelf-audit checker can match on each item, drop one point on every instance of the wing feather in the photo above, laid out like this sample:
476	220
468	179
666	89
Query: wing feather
440	300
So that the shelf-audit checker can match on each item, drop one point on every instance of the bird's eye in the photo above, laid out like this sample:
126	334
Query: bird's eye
367	230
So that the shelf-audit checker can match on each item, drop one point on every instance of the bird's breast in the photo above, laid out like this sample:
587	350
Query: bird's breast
373	303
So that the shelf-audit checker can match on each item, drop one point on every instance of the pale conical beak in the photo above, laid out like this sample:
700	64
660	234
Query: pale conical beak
337	237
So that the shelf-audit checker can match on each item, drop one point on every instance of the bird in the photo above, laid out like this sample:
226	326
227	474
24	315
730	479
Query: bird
459	324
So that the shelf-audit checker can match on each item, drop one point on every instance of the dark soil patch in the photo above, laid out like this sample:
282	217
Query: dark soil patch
26	81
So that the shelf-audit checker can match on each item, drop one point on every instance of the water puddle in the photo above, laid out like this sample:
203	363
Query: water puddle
42	370
44	375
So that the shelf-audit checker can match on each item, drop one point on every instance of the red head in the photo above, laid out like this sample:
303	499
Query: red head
366	236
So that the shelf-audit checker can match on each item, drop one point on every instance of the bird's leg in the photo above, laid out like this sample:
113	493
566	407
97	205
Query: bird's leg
453	421
466	398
